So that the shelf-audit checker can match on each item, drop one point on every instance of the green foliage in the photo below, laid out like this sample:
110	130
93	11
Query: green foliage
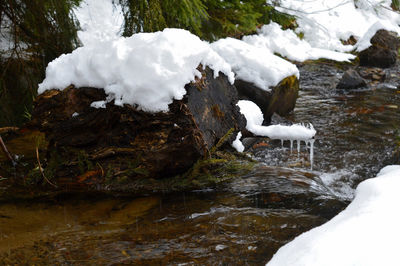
38	32
154	15
395	5
236	18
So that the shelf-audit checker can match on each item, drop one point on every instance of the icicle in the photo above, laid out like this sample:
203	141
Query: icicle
298	147
291	145
282	143
312	152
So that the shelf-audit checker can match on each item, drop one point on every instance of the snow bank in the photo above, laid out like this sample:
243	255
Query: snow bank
254	119
365	41
325	23
286	43
253	64
147	69
366	233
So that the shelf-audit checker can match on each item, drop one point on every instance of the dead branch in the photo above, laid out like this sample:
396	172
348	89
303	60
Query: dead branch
41	169
6	152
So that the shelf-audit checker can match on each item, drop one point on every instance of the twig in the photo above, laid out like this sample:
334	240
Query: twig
6	152
8	129
41	169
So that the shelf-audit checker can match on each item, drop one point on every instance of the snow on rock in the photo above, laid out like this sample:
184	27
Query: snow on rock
253	64
366	233
237	144
288	44
254	119
365	41
147	69
325	23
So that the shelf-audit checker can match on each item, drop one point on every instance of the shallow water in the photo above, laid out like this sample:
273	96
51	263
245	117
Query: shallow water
242	222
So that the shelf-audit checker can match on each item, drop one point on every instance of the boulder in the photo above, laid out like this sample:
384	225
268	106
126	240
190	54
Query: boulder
351	80
383	51
281	99
102	147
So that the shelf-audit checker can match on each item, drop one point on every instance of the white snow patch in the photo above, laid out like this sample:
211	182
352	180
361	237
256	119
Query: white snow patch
288	44
237	144
75	114
325	23
365	41
100	20
253	64
220	247
365	233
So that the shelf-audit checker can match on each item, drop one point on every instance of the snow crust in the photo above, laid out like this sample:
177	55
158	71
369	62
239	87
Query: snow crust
325	23
365	233
255	118
254	64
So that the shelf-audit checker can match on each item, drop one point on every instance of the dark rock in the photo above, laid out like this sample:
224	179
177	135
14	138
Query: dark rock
351	80
121	144
383	52
281	99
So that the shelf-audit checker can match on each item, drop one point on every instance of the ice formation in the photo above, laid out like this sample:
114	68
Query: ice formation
365	233
297	132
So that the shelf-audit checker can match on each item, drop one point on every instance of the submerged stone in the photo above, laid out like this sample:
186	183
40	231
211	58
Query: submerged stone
351	80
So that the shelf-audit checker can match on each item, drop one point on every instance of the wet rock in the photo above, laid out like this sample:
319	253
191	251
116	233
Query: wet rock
351	80
373	74
281	99
383	52
120	144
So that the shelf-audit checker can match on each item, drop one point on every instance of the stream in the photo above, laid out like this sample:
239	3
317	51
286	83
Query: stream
241	222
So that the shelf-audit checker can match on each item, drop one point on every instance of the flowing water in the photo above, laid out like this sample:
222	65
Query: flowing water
242	222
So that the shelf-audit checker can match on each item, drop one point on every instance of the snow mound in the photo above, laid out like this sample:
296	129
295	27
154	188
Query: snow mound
365	41
325	23
366	233
147	69
254	119
253	64
288	44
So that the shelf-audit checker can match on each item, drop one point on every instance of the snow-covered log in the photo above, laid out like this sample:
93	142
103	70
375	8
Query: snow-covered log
123	142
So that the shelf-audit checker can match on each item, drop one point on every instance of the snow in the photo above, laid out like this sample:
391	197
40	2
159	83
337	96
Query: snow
147	70
365	233
99	20
237	144
254	119
325	23
286	43
364	42
253	64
